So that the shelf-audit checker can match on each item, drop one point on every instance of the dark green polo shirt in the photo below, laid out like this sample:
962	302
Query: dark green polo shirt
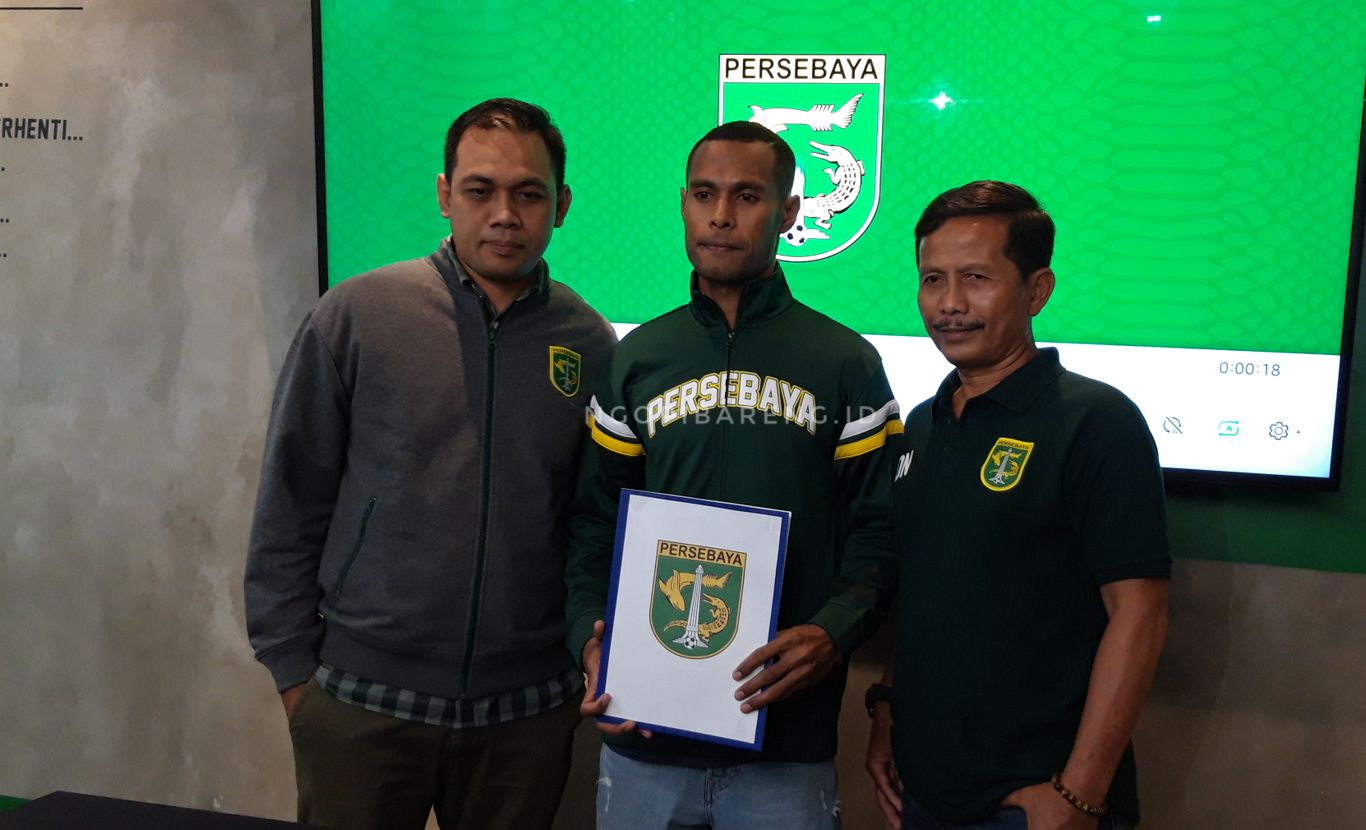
1007	522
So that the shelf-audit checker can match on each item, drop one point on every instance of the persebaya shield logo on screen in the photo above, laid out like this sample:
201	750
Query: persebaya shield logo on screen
696	603
566	366
1005	463
828	108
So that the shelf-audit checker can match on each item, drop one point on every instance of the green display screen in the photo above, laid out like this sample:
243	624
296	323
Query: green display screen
1199	157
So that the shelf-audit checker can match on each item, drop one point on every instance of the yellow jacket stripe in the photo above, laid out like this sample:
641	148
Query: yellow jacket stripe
610	442
872	442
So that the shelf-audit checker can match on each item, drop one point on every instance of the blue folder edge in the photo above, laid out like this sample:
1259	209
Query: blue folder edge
625	502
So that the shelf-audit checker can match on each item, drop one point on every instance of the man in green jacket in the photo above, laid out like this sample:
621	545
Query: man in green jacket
743	395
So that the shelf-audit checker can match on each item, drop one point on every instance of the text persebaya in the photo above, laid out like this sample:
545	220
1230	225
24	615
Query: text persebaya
700	553
748	390
798	68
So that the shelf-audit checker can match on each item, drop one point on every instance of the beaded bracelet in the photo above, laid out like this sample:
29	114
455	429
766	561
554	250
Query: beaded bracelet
1074	801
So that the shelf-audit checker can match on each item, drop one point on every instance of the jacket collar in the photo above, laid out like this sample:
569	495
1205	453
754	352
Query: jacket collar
760	301
458	281
1017	391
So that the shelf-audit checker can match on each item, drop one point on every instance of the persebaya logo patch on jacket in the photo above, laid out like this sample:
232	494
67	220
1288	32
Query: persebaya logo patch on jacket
1006	463
829	109
696	603
566	366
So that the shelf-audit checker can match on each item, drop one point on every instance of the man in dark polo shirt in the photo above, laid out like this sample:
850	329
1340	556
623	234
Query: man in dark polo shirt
1030	531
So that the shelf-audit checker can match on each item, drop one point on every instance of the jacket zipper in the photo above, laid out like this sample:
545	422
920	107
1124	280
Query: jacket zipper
355	551
725	436
486	477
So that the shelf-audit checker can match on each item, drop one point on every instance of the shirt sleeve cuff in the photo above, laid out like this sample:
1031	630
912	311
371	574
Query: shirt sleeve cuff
843	627
291	665
580	632
1155	569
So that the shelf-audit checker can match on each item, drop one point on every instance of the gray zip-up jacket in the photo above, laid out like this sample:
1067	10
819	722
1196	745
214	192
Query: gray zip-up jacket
421	455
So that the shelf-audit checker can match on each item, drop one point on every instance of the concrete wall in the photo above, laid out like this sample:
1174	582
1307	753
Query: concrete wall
1258	718
154	274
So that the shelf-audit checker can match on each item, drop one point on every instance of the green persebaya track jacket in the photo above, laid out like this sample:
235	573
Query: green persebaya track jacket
791	411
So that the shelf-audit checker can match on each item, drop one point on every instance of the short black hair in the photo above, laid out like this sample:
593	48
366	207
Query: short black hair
750	132
509	114
1030	230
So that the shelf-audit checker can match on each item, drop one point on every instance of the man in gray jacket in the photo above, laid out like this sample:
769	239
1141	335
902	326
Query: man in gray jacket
404	584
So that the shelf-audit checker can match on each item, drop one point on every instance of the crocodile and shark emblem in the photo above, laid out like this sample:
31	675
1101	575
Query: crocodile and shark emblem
1005	464
829	110
696	604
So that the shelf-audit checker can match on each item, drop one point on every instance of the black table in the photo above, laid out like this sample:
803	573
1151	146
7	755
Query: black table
72	811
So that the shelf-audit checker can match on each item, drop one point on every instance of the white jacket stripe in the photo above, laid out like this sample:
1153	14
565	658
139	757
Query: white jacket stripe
871	423
609	424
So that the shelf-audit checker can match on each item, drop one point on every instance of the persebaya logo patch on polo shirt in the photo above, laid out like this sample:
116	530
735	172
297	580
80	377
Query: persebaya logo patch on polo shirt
566	366
1006	463
829	110
696	603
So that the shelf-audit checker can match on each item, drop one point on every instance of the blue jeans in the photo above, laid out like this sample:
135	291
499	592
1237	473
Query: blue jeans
914	817
634	795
